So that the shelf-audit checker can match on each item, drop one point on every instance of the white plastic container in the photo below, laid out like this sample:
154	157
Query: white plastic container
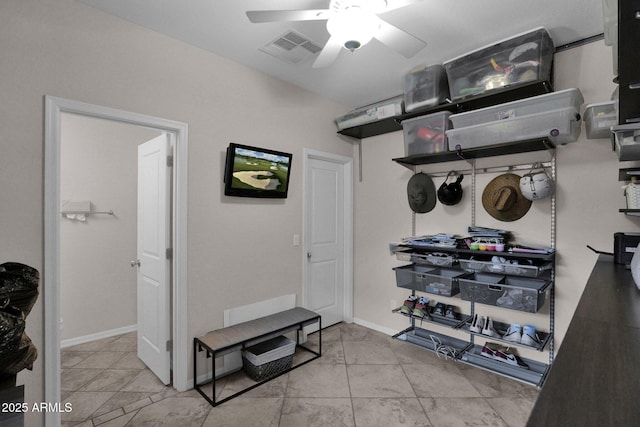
632	193
599	118
522	107
559	126
371	113
626	141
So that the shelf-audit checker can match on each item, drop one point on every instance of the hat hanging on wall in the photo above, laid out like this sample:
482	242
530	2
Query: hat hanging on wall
451	193
537	184
503	200
421	192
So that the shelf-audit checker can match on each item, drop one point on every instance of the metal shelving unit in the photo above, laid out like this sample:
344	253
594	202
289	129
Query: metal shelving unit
467	351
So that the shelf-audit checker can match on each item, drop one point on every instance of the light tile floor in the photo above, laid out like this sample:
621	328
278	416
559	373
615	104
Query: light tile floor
364	378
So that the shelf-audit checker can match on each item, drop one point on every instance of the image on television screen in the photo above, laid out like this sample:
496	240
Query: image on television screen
260	170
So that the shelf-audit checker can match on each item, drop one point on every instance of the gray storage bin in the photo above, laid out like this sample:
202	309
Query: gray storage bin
499	268
268	358
515	293
440	281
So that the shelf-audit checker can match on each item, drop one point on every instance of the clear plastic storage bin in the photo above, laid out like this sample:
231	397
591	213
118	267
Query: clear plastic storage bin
598	119
568	98
559	126
626	141
426	134
425	87
518	60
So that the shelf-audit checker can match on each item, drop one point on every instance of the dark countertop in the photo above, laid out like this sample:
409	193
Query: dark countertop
595	378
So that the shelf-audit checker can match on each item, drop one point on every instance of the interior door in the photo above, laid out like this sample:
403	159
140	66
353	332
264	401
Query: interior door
324	239
154	311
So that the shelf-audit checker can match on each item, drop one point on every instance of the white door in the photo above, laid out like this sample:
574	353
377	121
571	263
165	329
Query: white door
154	315
324	239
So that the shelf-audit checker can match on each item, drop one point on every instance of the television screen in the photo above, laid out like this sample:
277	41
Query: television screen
256	172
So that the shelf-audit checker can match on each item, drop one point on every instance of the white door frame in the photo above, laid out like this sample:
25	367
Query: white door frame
347	162
54	107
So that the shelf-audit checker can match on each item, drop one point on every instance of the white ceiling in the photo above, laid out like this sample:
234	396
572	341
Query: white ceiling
374	72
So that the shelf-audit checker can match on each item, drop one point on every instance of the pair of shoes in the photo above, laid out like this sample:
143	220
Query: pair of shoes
409	305
421	309
526	335
480	325
502	354
445	311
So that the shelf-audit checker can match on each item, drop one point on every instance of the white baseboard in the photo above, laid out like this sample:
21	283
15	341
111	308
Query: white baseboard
98	336
367	324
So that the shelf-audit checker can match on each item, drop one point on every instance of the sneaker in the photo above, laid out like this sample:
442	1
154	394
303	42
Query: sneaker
450	312
409	304
487	352
510	358
439	309
502	354
422	308
489	329
513	334
477	324
530	337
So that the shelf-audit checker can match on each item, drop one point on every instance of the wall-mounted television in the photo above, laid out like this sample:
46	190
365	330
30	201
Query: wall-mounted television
256	172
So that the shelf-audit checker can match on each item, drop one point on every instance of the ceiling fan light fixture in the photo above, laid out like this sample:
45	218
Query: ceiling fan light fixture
353	27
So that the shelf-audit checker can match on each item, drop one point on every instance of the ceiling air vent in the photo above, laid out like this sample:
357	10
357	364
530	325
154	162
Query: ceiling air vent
291	47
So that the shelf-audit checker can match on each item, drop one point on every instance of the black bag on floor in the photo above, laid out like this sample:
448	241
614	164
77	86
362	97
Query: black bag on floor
11	328
19	284
22	358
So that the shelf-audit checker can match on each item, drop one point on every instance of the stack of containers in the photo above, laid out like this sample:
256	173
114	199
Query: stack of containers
425	87
554	115
516	61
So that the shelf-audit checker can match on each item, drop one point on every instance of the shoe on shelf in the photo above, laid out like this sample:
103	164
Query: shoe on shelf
502	354
477	324
513	334
440	309
530	336
409	304
488	329
487	352
422	308
507	356
450	312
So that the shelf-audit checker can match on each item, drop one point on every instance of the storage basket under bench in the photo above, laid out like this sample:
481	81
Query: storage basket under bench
266	353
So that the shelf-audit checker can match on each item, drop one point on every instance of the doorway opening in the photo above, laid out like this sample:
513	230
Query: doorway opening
54	110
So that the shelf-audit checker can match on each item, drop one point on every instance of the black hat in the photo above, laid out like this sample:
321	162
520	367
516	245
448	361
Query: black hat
421	192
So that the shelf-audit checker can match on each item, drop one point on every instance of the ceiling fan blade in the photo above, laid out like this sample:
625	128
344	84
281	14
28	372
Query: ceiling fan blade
329	53
262	16
398	40
397	4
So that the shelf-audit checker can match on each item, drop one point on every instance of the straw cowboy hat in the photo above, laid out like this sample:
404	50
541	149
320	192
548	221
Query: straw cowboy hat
503	200
421	192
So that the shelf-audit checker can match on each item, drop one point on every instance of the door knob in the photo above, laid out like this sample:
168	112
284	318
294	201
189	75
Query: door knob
135	263
309	255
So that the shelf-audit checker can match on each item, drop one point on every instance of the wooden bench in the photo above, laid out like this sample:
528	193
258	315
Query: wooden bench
237	337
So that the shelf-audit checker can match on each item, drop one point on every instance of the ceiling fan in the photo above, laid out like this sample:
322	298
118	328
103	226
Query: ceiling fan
351	24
